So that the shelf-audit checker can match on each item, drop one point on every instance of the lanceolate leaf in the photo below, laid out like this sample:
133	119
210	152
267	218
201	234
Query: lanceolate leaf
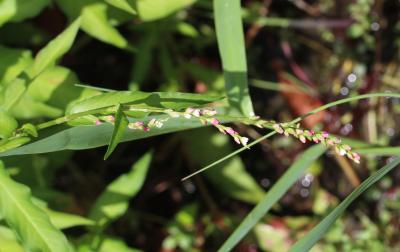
55	49
126	5
149	10
229	28
308	241
273	195
172	100
120	126
31	224
113	202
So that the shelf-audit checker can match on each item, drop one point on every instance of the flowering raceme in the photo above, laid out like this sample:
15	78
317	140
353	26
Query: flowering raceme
206	117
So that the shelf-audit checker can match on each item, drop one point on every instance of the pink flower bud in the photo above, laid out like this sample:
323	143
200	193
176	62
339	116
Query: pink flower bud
230	131
325	134
278	128
244	140
98	122
302	139
214	121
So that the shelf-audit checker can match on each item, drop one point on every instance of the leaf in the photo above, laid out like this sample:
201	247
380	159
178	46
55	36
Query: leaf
229	28
8	124
95	20
31	224
114	201
115	244
231	177
312	237
172	100
12	63
126	5
150	10
120	126
12	93
86	137
96	24
55	49
64	220
7	9
8	241
28	8
273	195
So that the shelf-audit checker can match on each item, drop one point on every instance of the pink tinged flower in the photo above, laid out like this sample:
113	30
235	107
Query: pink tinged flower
325	134
244	140
299	132
315	139
346	147
189	110
330	142
152	122
139	124
209	112
356	157
110	118
342	152
278	128
214	122
97	122
230	131
312	132
237	140
146	129
196	112
302	139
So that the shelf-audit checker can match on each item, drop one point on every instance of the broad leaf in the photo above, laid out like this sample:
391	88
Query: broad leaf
229	28
8	8
55	49
114	201
64	220
29	8
31	224
120	126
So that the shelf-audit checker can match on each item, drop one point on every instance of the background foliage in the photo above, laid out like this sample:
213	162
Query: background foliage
64	64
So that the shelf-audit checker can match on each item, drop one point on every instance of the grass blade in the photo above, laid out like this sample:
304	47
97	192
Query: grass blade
120	124
309	240
273	195
229	28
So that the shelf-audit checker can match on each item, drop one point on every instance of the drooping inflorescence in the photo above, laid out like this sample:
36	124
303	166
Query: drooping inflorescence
207	117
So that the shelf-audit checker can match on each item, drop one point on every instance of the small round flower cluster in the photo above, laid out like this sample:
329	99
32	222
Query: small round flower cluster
317	137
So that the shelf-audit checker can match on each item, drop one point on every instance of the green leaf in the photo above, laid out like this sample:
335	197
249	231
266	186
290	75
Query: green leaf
171	100
115	244
126	5
28	8
379	151
12	93
312	237
150	10
64	220
55	49
96	24
95	20
12	63
8	8
114	201
8	124
12	143
229	28
31	224
273	195
120	126
231	177
8	241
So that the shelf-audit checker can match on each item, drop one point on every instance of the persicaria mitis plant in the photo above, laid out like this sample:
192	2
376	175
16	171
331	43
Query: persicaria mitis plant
207	117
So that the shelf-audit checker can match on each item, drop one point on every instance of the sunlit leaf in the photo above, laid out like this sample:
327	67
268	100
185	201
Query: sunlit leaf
120	126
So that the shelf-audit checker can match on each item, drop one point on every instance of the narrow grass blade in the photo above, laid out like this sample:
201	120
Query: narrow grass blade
120	125
273	195
229	28
312	237
379	151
